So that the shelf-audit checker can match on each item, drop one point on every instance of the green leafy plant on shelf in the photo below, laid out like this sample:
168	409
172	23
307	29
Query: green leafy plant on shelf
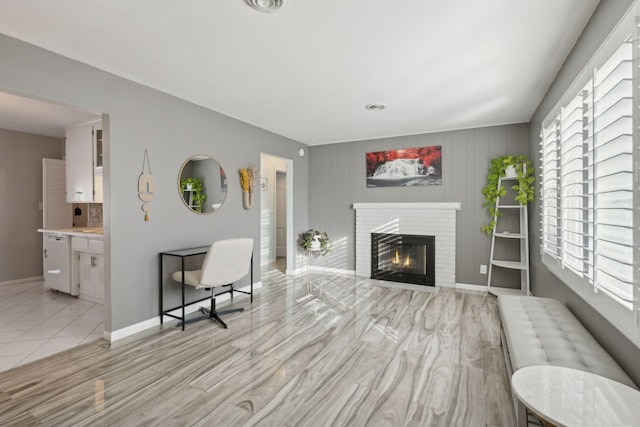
197	196
524	187
315	240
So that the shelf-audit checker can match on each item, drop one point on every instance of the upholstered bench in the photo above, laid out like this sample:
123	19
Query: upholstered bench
542	331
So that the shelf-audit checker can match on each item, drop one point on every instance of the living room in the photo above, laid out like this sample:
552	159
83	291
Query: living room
327	179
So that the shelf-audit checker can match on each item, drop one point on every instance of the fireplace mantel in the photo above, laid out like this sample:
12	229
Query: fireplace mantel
401	205
435	219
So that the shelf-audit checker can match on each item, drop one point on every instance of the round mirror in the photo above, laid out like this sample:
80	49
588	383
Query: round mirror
202	184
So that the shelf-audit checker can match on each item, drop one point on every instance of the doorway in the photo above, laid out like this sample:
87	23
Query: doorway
276	223
62	319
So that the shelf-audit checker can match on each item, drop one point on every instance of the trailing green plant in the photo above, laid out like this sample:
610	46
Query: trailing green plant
198	195
524	187
307	238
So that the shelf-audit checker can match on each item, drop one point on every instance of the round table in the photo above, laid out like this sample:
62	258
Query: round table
569	397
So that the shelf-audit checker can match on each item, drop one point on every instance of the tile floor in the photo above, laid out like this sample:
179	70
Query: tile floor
35	323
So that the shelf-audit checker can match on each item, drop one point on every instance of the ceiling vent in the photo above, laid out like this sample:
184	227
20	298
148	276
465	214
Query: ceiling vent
266	6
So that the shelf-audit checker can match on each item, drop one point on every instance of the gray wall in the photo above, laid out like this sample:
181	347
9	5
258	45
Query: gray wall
339	179
21	157
544	283
139	118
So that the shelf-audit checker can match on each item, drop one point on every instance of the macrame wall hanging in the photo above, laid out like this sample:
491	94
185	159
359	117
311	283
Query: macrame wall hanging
145	185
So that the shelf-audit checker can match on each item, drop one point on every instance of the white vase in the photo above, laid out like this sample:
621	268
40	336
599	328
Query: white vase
510	172
315	244
247	199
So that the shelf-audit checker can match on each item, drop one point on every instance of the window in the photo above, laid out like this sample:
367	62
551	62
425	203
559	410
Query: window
588	218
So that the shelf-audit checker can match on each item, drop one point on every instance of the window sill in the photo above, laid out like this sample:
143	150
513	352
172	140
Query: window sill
618	316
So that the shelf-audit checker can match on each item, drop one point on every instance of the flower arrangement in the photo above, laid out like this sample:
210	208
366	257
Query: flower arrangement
248	182
248	177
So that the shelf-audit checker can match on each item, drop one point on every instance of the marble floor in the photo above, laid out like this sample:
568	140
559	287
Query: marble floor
37	322
315	350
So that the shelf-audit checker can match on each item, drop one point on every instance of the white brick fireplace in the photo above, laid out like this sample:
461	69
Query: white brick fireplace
432	219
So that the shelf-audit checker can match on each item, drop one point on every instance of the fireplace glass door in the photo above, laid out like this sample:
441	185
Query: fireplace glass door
403	258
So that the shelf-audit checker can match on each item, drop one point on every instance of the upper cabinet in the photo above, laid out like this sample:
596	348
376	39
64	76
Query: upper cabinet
83	148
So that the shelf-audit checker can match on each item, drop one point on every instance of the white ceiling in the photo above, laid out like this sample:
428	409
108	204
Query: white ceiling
307	71
39	117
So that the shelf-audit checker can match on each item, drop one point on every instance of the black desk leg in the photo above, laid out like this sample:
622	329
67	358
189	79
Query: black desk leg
184	320
160	290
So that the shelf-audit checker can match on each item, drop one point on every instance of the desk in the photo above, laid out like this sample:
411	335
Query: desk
182	254
569	397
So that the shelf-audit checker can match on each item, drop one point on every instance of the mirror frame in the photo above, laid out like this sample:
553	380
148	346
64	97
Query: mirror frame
224	186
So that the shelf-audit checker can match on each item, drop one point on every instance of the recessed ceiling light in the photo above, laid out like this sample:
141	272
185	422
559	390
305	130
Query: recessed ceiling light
375	107
266	6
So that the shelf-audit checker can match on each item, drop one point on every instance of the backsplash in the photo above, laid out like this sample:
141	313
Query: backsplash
94	218
87	215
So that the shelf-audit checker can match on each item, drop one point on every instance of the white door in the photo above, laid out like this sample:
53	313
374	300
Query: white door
281	214
56	212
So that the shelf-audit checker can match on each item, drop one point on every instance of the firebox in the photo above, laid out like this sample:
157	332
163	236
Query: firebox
403	258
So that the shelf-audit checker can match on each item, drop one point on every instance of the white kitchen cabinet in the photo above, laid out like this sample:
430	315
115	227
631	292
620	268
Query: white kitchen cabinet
91	272
83	150
88	268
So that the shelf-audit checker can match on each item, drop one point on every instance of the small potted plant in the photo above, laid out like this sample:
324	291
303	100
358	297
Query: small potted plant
525	189
314	240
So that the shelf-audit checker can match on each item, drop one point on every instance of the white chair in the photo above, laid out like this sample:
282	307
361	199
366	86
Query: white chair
226	262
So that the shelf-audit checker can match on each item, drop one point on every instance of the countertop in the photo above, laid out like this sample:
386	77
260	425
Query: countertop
87	232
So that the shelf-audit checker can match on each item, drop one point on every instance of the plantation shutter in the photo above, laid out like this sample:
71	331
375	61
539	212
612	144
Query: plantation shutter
613	176
573	221
550	190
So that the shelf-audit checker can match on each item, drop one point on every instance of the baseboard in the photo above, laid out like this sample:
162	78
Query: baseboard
469	287
332	270
127	331
25	280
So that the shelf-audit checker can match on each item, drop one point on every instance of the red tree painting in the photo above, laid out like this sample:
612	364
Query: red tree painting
405	167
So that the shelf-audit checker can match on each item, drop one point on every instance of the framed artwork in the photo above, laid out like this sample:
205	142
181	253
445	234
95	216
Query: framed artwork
406	167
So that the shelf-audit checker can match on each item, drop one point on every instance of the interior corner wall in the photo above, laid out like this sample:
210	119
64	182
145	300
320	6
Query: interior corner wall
543	282
338	174
21	157
172	130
